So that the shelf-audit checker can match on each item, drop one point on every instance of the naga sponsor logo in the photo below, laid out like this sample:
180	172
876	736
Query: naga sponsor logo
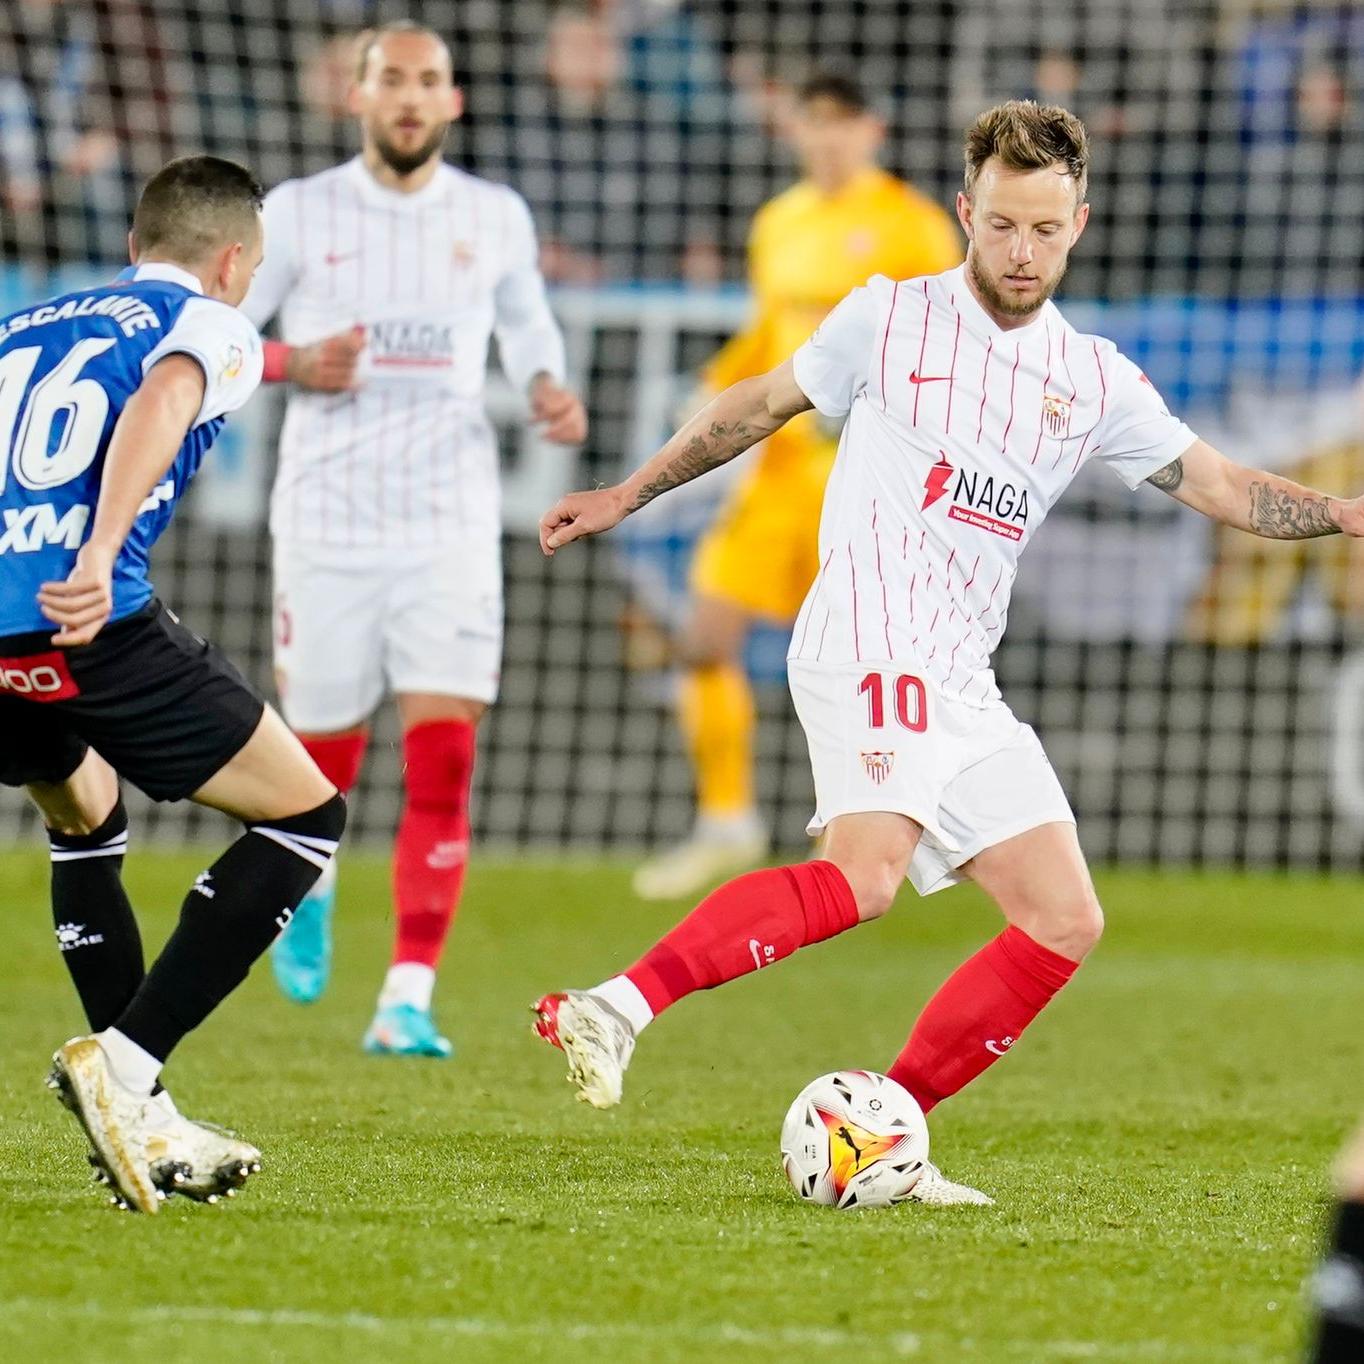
935	485
30	528
410	344
978	499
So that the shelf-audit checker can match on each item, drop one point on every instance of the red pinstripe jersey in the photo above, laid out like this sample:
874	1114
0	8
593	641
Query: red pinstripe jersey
408	457
960	437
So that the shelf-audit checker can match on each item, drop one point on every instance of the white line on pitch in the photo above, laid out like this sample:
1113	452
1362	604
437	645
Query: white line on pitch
902	1344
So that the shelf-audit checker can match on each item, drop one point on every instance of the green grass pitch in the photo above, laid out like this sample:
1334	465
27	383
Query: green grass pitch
1157	1144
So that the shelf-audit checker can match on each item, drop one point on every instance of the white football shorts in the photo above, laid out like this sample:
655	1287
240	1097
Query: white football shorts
882	739
350	623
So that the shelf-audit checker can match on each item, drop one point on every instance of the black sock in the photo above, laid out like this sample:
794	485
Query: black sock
1340	1291
96	931
234	911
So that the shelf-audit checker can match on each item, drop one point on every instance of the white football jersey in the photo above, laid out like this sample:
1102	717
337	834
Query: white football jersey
407	457
960	437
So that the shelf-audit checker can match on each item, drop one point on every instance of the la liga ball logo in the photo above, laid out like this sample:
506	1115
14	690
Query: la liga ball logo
233	359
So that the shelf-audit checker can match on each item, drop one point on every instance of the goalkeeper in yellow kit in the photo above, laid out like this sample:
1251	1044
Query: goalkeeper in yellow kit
845	220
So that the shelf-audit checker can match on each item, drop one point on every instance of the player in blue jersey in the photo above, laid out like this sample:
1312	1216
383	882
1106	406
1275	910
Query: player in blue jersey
109	399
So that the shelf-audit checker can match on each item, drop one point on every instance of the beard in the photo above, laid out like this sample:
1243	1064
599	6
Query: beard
404	163
1012	307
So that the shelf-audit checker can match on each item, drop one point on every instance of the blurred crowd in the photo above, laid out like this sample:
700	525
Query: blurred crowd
1228	133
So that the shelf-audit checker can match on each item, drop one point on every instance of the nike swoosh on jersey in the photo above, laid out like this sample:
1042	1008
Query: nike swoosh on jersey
337	257
916	378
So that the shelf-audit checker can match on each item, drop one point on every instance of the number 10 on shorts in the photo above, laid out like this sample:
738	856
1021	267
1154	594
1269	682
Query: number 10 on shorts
910	698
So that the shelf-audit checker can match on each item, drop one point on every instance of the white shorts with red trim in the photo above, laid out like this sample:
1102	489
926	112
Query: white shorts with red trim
352	623
884	739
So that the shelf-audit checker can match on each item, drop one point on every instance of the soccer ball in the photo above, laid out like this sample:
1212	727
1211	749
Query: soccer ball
854	1139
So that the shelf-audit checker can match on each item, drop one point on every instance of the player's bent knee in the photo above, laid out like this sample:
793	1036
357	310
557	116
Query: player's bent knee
1072	927
1094	925
324	823
80	804
312	835
270	777
874	887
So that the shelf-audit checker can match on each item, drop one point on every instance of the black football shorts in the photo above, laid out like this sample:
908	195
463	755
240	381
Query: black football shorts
163	707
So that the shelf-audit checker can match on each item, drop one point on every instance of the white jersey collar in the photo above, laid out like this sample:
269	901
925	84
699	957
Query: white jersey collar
171	274
969	304
376	193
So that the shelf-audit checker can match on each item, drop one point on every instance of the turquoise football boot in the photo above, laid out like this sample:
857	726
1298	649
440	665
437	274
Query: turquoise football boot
302	954
405	1030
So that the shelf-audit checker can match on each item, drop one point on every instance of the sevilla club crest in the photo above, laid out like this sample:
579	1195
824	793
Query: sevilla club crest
878	765
1056	415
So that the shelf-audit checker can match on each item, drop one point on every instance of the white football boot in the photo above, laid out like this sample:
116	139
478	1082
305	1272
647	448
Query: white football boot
114	1118
596	1039
198	1160
934	1190
195	1159
716	850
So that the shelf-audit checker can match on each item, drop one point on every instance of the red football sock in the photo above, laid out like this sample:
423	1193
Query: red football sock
432	850
338	756
747	923
977	1015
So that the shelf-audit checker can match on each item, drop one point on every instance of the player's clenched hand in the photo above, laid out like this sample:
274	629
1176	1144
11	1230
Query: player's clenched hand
557	411
328	366
577	514
82	603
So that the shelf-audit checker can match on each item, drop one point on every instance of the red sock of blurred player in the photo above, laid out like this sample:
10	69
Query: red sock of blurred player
978	1014
750	922
338	756
431	853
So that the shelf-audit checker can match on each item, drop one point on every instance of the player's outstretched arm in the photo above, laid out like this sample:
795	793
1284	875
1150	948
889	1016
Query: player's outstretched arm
739	417
1250	499
146	440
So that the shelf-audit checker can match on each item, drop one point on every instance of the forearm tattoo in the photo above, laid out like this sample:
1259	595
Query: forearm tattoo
1287	512
701	453
1168	478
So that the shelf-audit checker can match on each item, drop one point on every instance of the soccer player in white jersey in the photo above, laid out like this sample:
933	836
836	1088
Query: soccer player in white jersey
970	404
390	273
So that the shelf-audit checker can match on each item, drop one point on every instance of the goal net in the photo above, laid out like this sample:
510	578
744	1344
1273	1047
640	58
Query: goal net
1201	694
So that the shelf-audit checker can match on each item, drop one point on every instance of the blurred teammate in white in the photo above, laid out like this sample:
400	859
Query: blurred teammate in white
970	404
390	273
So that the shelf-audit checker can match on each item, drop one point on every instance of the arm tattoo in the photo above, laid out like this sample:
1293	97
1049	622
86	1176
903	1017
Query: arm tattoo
1169	478
1290	513
703	452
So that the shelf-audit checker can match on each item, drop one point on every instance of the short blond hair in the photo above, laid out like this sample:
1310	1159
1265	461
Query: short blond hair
366	41
1027	136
